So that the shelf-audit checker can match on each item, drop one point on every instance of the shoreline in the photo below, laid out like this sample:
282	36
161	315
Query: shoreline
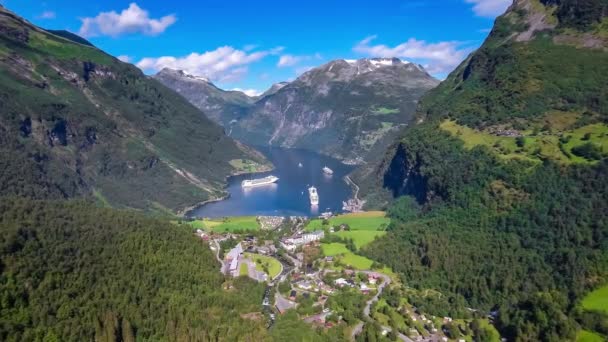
184	211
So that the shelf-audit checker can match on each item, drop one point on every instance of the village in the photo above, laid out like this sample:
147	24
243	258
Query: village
294	256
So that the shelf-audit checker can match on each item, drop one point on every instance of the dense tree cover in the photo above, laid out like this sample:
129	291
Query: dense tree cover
579	14
525	240
489	249
72	272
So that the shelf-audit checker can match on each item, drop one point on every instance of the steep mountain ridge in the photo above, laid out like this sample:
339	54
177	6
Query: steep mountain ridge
509	155
222	106
75	121
343	108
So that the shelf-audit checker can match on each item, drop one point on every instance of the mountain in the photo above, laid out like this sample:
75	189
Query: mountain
77	122
500	189
221	106
273	89
343	108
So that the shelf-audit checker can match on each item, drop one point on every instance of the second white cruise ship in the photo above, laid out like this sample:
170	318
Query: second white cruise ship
249	183
314	196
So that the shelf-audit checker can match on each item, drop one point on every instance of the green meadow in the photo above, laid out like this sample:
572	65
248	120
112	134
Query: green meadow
346	257
373	220
557	144
229	224
597	300
274	266
360	237
588	336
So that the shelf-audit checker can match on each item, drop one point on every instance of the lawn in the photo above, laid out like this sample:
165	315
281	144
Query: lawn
274	266
588	336
360	237
246	165
244	270
230	224
345	256
597	300
373	220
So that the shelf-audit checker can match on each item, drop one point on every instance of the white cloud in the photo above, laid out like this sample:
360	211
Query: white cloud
124	58
291	60
47	15
131	20
288	60
438	57
489	8
224	64
248	92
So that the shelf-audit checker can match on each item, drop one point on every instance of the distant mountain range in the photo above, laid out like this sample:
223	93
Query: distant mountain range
77	122
345	108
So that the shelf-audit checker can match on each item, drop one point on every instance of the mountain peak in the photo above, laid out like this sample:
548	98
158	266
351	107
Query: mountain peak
377	61
181	73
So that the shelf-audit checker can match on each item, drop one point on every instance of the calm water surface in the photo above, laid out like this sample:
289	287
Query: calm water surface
289	196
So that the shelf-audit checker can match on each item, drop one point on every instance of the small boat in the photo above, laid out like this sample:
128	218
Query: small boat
249	183
328	171
314	196
299	164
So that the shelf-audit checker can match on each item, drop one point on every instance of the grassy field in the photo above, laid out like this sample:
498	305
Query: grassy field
597	300
246	165
384	111
229	224
360	237
347	257
373	220
244	270
545	145
588	336
274	266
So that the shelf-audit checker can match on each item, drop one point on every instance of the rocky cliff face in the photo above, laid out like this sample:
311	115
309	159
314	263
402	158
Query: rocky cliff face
219	105
345	108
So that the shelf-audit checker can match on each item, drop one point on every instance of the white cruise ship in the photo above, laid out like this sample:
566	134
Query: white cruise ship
314	196
249	183
328	171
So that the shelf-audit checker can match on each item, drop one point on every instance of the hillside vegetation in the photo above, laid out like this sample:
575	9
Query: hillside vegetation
73	272
75	121
505	177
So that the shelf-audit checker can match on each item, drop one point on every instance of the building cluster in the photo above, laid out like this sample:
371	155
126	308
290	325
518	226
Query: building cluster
202	234
270	222
290	244
232	260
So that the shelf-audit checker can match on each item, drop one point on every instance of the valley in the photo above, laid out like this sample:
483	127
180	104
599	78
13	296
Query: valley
411	172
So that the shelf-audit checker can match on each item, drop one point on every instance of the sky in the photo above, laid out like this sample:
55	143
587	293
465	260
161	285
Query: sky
249	45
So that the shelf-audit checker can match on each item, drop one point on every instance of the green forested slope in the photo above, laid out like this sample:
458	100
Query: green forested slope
508	166
72	272
75	121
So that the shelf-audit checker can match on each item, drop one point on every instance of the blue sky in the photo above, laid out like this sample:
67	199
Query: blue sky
252	44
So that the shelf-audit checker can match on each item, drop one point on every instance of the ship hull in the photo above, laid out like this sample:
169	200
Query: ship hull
254	184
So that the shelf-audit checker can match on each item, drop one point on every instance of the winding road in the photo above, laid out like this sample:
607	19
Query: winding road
386	280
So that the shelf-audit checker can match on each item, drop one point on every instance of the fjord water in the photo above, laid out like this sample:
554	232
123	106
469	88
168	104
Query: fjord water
289	196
